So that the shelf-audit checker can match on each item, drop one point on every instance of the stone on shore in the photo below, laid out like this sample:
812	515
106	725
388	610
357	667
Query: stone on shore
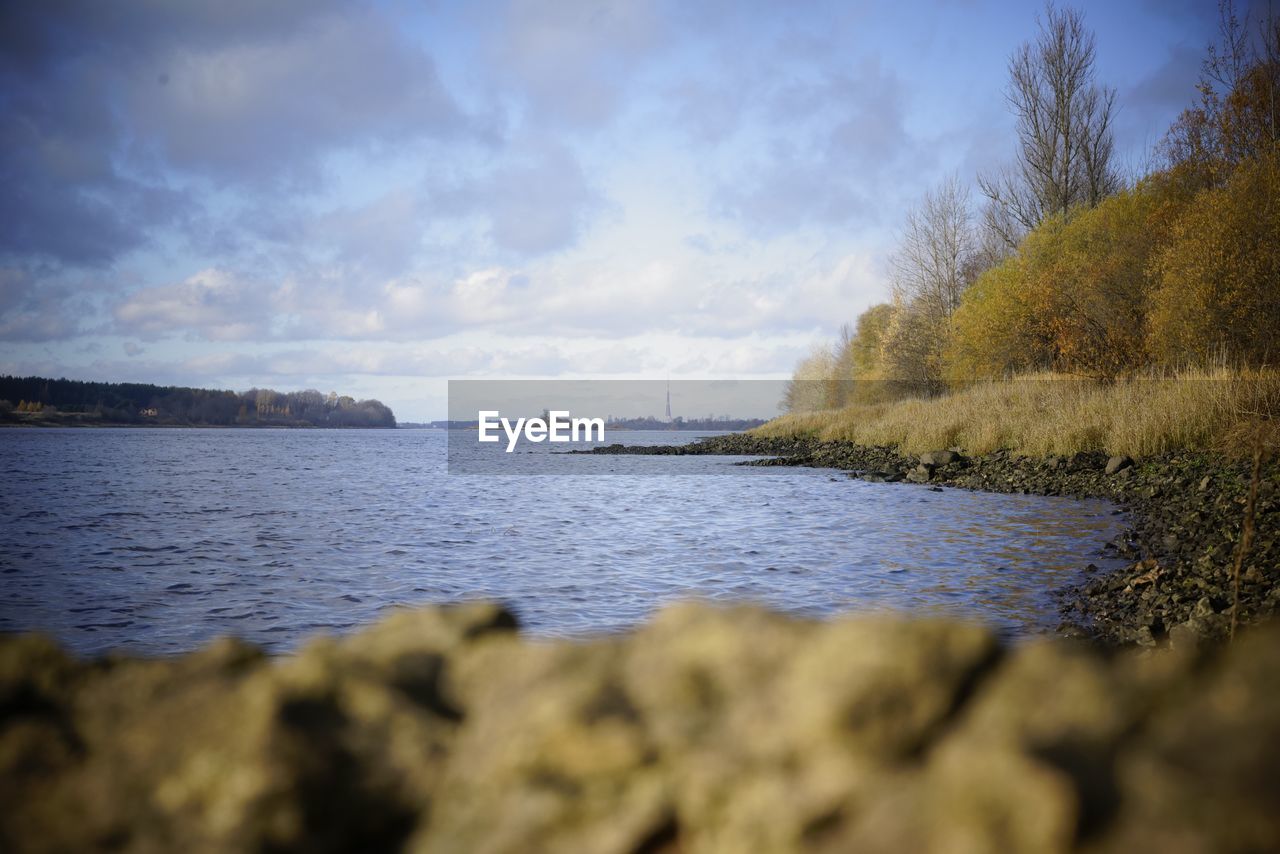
1118	463
705	730
939	458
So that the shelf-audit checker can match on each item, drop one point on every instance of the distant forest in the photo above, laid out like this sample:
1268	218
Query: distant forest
722	422
37	400
649	422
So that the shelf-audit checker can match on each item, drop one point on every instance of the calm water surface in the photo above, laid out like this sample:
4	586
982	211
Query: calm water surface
158	540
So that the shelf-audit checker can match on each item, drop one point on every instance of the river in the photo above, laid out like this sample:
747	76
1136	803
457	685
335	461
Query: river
156	540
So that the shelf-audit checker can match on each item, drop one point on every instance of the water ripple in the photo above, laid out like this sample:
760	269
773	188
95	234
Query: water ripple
183	535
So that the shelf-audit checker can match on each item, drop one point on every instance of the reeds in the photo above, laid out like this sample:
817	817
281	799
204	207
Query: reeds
1047	414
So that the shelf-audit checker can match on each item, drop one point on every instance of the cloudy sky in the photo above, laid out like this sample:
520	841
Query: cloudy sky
372	197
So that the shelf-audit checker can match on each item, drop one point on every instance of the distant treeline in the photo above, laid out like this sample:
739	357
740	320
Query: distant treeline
679	423
47	401
647	423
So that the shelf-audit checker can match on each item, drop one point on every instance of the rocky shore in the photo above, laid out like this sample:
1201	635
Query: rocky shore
706	730
1187	513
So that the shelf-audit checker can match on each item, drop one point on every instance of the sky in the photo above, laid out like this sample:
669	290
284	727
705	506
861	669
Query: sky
374	197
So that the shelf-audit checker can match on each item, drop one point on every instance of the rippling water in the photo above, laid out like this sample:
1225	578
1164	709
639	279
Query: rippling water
158	540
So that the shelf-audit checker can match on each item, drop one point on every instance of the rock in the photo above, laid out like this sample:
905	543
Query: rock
1144	637
1204	483
1115	464
708	729
1185	636
920	474
939	458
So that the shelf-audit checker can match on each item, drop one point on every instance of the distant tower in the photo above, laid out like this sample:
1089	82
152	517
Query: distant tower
668	400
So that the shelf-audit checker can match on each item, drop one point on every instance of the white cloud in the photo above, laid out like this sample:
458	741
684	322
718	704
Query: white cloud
212	304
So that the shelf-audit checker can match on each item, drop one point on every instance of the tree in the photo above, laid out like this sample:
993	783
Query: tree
867	346
995	330
1218	293
936	251
933	265
1065	142
913	345
1238	115
809	389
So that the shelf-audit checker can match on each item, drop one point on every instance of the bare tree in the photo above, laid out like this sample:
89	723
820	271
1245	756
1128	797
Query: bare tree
1238	116
808	390
935	258
1065	141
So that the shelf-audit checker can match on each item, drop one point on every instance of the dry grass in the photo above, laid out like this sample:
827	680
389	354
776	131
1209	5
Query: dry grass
1046	414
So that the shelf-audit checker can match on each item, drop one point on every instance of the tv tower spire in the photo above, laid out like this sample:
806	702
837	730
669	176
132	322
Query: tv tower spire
668	400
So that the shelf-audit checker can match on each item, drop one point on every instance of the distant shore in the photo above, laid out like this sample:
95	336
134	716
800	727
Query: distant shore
89	423
1187	512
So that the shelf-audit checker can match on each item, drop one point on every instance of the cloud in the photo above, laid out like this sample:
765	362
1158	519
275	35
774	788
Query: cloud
117	120
382	236
251	110
212	304
538	205
29	312
65	200
573	60
840	141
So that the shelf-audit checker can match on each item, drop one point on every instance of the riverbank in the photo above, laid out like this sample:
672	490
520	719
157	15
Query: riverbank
1187	512
704	730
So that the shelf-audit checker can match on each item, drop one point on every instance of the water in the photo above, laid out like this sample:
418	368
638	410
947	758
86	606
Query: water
157	540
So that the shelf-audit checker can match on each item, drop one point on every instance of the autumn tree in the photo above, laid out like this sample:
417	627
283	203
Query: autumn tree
867	346
1076	297
1218	292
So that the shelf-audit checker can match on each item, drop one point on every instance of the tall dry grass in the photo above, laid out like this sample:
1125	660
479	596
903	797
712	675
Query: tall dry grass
1046	414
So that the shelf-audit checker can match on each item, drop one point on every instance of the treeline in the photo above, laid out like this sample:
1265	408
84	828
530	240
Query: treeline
73	401
720	422
1066	268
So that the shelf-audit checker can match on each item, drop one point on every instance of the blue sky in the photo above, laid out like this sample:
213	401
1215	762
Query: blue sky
374	197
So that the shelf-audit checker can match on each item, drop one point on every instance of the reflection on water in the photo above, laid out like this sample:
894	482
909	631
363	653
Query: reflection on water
157	540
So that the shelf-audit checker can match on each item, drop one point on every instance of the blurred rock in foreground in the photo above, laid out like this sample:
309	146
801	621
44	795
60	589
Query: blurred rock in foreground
706	730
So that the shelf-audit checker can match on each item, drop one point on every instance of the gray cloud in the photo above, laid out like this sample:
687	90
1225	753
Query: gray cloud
251	110
833	172
111	111
29	312
573	60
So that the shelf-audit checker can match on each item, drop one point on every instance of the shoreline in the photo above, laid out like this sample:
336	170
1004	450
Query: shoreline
1186	512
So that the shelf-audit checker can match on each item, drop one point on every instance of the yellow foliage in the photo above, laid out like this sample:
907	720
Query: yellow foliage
1074	297
1218	293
